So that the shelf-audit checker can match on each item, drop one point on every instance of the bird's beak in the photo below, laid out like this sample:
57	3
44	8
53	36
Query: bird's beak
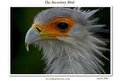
31	36
36	34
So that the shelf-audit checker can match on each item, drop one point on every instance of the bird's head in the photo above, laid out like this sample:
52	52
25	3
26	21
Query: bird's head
60	24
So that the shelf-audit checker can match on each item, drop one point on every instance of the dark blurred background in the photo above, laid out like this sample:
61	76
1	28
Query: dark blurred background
23	62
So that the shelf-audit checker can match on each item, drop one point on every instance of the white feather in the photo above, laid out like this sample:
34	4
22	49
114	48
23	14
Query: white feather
75	58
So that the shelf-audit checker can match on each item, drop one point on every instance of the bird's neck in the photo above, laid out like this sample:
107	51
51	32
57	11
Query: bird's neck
64	59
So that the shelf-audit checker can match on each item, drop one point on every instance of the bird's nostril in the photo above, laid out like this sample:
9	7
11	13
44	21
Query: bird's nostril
38	29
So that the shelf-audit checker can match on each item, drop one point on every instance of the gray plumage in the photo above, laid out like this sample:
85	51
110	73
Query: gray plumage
80	52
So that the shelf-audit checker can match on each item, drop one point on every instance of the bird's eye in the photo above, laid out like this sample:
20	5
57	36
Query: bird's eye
62	25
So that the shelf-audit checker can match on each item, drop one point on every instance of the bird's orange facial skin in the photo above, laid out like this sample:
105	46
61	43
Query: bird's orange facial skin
51	28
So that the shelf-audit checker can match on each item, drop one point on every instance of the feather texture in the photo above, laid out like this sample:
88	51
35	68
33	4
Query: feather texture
76	58
80	52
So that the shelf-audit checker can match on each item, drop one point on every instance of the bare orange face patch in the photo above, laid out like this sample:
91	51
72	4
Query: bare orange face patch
58	26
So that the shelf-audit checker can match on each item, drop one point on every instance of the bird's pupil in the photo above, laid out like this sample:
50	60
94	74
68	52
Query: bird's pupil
62	25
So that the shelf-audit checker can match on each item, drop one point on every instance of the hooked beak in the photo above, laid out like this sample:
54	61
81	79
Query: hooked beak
31	37
34	34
